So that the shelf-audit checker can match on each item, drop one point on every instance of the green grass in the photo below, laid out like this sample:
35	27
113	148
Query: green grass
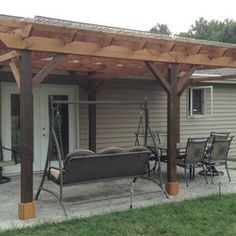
202	216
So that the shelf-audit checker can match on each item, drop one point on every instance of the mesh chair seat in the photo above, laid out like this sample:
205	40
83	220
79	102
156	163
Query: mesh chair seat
193	157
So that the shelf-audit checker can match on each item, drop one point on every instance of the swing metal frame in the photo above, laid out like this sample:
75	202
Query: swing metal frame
54	108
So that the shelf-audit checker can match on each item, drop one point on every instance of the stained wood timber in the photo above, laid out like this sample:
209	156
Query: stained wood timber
9	55
195	49
26	141
172	188
15	71
158	75
178	119
68	37
171	125
219	52
24	32
46	70
185	80
86	48
140	45
26	210
170	85
80	80
213	78
99	86
167	47
92	114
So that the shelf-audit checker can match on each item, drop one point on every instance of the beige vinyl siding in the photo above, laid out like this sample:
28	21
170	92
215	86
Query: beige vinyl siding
223	119
116	124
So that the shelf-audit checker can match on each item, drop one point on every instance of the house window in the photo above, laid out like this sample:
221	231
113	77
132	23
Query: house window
200	101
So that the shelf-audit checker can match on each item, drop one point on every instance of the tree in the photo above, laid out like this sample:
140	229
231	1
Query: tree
160	29
222	31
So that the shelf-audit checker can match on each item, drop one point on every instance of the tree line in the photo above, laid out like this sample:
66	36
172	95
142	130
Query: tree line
213	30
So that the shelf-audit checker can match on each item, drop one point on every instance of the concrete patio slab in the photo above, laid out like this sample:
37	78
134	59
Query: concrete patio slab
102	197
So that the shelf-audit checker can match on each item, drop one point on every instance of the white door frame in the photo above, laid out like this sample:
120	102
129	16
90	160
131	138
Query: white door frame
40	96
47	90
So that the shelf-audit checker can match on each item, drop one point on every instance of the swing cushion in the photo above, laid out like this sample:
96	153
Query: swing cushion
111	150
80	152
79	169
137	149
54	174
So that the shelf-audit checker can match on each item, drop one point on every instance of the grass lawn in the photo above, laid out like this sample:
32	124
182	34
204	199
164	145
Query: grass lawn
213	215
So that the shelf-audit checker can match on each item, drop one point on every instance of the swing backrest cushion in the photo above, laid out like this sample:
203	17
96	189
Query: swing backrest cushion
106	165
80	152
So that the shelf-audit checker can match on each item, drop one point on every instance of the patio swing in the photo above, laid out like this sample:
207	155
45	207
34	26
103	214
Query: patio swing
84	165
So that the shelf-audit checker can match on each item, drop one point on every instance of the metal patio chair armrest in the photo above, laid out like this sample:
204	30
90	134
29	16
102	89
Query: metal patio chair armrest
10	150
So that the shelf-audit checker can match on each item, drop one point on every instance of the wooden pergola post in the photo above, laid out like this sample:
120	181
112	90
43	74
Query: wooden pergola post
26	209
172	185
92	114
173	88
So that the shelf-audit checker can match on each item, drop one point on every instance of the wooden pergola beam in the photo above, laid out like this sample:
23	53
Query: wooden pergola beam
9	55
42	74
158	75
15	71
56	45
24	32
185	80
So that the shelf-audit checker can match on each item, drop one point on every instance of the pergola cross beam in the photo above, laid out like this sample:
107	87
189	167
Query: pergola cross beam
185	80
158	75
9	55
122	50
42	74
15	70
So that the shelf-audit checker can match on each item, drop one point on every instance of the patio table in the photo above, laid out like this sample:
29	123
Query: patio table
163	146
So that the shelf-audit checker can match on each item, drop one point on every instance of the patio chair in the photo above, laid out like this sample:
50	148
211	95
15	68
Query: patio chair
214	135
218	155
162	153
193	157
218	135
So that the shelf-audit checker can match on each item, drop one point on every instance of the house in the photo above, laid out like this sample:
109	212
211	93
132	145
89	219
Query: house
45	57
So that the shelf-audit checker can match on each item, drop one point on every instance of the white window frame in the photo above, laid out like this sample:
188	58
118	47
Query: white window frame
190	102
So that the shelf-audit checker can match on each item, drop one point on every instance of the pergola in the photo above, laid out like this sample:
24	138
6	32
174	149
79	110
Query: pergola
100	53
